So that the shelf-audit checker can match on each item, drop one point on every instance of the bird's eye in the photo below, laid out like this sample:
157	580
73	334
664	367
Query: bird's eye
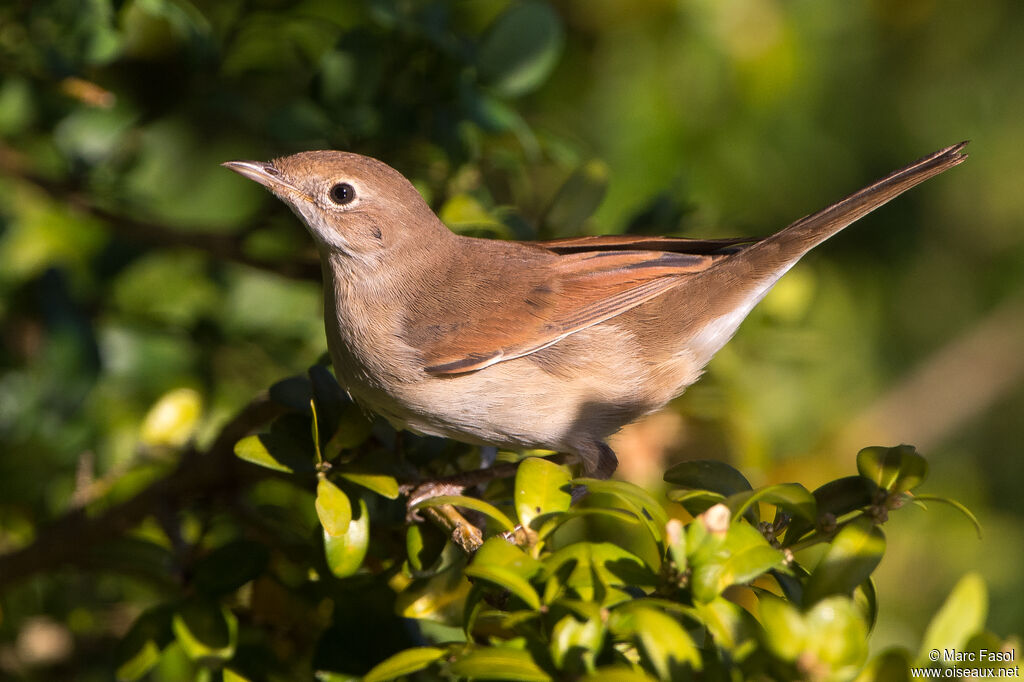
342	193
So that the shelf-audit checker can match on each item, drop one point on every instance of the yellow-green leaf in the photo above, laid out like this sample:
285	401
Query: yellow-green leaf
333	507
403	663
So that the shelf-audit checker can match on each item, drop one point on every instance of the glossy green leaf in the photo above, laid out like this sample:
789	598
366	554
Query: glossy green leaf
382	484
508	567
520	48
333	508
495	663
784	627
345	552
541	487
469	503
423	545
725	621
577	199
896	469
837	498
866	599
549	523
836	639
696	502
206	631
594	571
664	642
743	556
274	451
961	616
790	497
638	500
353	429
850	559
330	398
711	475
230	566
404	663
579	639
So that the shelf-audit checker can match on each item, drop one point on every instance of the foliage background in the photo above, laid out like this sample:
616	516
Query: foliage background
132	266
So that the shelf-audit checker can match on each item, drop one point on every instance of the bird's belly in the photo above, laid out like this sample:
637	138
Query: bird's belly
572	391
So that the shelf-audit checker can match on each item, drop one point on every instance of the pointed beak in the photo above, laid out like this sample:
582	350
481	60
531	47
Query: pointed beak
267	175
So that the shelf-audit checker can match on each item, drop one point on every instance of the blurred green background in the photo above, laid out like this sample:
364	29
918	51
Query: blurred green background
146	293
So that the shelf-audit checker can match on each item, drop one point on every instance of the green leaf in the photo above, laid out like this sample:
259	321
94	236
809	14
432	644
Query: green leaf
647	509
572	638
594	571
293	392
725	621
896	469
961	616
541	488
468	503
520	48
837	638
275	451
352	431
493	663
892	665
696	502
333	508
663	640
784	627
711	475
382	484
743	556
577	199
423	545
618	673
849	560
404	663
508	567
230	566
329	397
139	650
837	498
790	497
548	523
206	631
955	505
345	553
462	212
866	599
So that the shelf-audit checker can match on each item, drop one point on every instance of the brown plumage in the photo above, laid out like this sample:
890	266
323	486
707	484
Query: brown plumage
550	345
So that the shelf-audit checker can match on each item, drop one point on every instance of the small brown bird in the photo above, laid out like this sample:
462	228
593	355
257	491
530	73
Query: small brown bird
552	345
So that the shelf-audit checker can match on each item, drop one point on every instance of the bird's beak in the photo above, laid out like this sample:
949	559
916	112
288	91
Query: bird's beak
268	176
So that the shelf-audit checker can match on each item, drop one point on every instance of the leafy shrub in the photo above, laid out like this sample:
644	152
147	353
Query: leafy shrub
770	582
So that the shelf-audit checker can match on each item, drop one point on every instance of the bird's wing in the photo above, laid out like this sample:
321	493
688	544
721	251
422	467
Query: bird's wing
564	295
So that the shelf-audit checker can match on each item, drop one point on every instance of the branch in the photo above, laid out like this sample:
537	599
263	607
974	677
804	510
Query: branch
214	472
223	247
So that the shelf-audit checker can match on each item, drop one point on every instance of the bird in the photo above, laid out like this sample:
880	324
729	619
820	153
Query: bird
552	345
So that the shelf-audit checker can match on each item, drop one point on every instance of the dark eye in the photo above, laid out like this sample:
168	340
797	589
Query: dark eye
342	193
